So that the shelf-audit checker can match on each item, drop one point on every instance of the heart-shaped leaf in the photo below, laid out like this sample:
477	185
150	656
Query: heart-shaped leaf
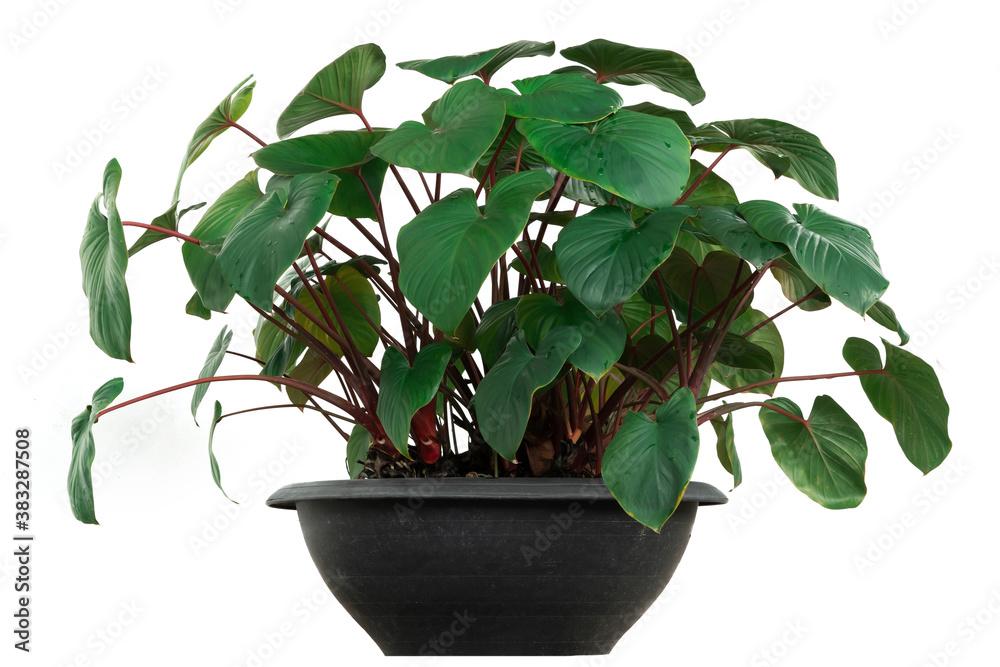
335	90
642	158
467	119
632	66
403	389
104	258
838	255
785	149
824	456
215	356
446	251
908	395
268	238
80	484
564	98
605	257
503	400
603	338
648	464
483	63
224	116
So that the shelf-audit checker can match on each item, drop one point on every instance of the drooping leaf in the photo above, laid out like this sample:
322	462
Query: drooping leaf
228	112
446	251
838	255
404	389
563	98
648	464
766	337
824	456
643	158
357	450
483	63
503	400
886	316
733	232
167	220
632	66
726	448
467	119
104	258
603	338
215	356
606	258
680	117
908	395
344	284
268	238
783	148
80	484
496	327
213	289
212	461
335	90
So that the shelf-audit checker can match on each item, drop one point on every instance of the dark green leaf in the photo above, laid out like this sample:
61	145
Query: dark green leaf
680	117
712	191
404	390
483	63
344	284
496	327
314	153
215	356
733	232
357	450
766	337
886	316
80	484
710	281
546	261
796	285
564	98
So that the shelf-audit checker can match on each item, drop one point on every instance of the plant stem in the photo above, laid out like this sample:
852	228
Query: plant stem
683	198
168	232
493	159
795	378
646	378
246	132
783	311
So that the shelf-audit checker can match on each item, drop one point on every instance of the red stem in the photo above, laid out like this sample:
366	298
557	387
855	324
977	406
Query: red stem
168	232
683	198
794	378
246	132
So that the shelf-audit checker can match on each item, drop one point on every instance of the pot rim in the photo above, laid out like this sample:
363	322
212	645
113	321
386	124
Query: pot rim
464	488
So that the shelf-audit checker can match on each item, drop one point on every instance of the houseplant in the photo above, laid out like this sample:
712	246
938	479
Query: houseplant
568	312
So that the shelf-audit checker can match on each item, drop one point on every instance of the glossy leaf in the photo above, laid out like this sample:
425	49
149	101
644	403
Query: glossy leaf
496	327
796	285
631	66
908	395
766	337
886	316
483	63
315	153
268	238
503	400
404	389
215	356
680	117
606	258
564	98
648	464
212	461
166	220
347	282
824	456
213	289
466	119
642	158
603	338
357	450
446	251
335	90
725	447
733	232
783	148
838	255
104	258
80	483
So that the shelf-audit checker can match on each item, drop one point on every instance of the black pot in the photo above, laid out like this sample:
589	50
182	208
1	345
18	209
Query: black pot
465	566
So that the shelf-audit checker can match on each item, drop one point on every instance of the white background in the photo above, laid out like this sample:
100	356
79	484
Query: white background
902	93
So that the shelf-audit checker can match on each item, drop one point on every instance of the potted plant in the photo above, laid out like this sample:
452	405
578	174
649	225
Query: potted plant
537	350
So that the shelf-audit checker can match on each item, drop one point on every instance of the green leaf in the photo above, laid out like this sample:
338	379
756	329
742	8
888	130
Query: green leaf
104	258
886	316
726	448
404	390
824	456
838	255
606	258
213	462
546	261
603	338
712	191
446	251
908	395
268	238
766	337
711	281
680	117
496	327
354	285
785	149
212	287
648	464
636	310
467	119
503	401
357	450
733	232
796	285
228	112
631	66
197	308
315	153
80	484
335	90
312	369
483	63
215	356
563	98
642	158
167	220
